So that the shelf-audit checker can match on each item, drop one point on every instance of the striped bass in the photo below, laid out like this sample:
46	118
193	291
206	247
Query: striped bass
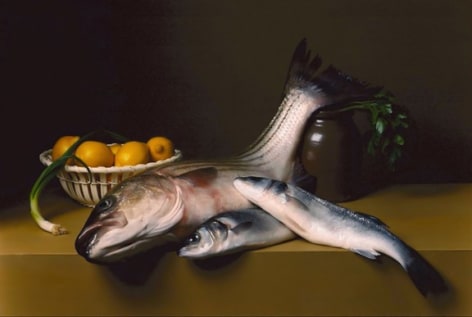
165	204
322	222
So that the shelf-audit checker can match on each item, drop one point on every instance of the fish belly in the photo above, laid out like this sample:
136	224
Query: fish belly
208	197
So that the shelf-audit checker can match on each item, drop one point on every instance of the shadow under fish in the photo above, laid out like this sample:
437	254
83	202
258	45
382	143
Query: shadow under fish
136	270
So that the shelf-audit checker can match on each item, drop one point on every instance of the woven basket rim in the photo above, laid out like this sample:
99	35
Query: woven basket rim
46	159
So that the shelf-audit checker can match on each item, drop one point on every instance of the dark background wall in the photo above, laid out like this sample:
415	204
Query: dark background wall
209	74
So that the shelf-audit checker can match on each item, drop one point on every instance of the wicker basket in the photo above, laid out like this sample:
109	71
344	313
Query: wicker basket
76	182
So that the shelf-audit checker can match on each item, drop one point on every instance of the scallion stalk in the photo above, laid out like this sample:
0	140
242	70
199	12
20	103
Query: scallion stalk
48	174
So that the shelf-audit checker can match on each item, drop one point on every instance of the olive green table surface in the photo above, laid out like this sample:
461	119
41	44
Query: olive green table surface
42	275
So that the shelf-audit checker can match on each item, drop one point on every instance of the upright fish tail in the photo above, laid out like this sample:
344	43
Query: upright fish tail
307	89
336	86
302	69
425	277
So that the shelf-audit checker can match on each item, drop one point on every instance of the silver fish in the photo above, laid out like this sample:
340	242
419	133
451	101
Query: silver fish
167	203
234	231
322	222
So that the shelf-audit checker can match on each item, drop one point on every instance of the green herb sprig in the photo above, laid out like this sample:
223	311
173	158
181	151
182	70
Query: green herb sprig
388	123
49	173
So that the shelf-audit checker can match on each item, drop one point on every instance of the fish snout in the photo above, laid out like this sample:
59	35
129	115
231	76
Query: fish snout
86	240
94	228
251	187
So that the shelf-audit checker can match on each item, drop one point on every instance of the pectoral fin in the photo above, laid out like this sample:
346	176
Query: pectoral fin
296	203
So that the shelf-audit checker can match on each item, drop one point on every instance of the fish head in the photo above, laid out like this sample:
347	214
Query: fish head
134	216
282	200
209	239
257	189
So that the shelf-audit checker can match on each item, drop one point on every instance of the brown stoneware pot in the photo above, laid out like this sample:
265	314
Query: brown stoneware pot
332	153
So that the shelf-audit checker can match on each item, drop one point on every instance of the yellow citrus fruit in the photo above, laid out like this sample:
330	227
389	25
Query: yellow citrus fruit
62	145
132	153
160	147
114	147
94	154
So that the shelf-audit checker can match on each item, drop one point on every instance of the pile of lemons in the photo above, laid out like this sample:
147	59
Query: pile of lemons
96	153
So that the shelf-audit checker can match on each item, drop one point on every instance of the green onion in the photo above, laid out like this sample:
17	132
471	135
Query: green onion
48	174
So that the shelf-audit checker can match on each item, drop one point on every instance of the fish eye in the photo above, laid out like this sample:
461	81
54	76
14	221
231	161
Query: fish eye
280	187
105	204
194	238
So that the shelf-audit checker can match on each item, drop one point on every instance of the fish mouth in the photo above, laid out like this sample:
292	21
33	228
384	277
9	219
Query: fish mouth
94	229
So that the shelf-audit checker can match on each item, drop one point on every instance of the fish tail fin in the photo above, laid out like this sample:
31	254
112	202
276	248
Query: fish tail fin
425	277
303	69
331	86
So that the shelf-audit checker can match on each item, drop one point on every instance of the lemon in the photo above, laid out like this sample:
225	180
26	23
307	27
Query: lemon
132	153
114	147
160	148
95	153
62	145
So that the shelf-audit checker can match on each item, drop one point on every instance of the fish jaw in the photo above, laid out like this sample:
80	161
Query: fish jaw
134	216
207	240
197	245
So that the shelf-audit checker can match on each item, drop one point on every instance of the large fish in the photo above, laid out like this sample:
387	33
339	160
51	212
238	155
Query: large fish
322	222
167	203
234	231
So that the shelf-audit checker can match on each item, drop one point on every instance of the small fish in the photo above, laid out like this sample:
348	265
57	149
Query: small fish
234	231
167	203
322	222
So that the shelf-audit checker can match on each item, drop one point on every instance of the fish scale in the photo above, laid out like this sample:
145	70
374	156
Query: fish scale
282	131
274	150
